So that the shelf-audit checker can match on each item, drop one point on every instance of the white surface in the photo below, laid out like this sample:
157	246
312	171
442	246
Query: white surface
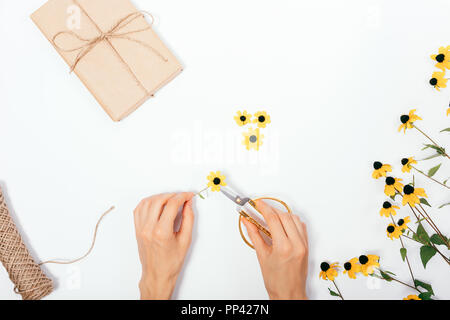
334	77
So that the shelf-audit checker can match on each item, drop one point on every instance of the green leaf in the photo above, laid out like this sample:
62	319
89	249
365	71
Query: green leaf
390	272
422	235
439	150
436	239
446	129
334	294
433	170
200	195
424	285
433	156
445	182
425	202
425	296
445	204
385	276
426	253
403	252
393	197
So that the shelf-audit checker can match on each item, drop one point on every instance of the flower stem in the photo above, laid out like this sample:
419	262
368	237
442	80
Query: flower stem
432	141
340	294
199	193
430	177
437	229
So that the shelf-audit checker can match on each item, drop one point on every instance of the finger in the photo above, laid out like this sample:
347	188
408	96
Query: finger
288	224
170	212
256	238
155	206
301	227
187	224
273	222
138	212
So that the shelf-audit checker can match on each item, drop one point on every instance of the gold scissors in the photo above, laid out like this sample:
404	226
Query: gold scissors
248	209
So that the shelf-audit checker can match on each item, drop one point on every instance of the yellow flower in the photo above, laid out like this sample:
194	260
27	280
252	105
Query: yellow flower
403	223
253	139
407	162
380	169
262	119
438	80
448	111
352	268
216	180
393	231
388	209
369	263
412	297
242	118
411	195
329	272
392	185
442	58
408	120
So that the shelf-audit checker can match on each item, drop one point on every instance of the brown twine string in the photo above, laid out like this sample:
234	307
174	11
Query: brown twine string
113	33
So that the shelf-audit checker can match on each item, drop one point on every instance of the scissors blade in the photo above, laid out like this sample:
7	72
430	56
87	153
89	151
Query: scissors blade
233	196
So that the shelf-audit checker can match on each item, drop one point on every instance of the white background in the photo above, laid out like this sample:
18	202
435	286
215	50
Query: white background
334	76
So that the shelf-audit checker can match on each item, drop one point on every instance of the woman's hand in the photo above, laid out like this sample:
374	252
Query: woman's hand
284	265
162	250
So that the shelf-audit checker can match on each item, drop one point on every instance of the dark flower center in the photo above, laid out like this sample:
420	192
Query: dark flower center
390	229
390	181
324	266
405	161
404	118
347	266
440	57
363	259
408	189
261	119
433	81
243	118
377	165
401	222
253	139
216	181
387	205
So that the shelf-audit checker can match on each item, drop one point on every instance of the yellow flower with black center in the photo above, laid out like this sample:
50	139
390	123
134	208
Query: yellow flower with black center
328	272
242	118
442	58
408	120
262	119
412	297
253	139
388	209
411	195
369	263
393	231
407	162
380	169
403	223
438	80
392	186
216	181
352	267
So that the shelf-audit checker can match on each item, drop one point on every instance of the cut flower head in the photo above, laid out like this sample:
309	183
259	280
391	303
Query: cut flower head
412	297
392	186
380	169
393	232
216	181
352	267
262	119
438	80
408	120
411	195
253	139
369	263
403	223
388	209
442	58
328	272
242	118
407	162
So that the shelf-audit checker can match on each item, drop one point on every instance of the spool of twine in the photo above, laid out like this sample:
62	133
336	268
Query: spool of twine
28	278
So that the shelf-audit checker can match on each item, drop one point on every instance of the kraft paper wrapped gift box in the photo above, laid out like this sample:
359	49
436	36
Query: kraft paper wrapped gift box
112	49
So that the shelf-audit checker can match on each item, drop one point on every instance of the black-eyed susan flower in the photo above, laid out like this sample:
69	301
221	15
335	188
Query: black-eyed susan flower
392	185
442	58
352	267
262	119
216	181
253	139
369	263
243	118
393	232
388	209
407	162
438	80
412	297
408	120
403	223
380	169
328	272
411	195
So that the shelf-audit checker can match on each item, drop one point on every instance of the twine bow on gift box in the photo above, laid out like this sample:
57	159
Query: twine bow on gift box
113	33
